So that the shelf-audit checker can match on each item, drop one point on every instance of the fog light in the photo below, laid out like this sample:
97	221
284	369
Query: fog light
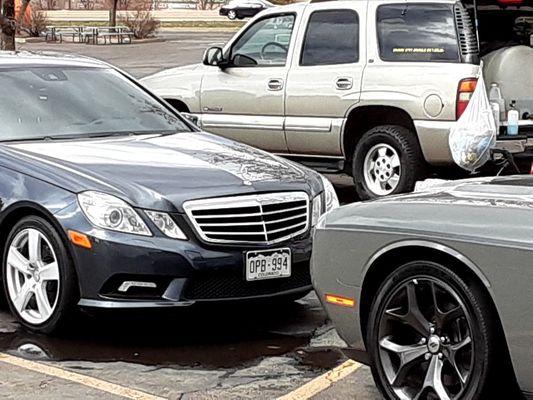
126	285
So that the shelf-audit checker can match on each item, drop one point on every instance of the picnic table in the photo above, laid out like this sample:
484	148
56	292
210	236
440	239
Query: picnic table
90	34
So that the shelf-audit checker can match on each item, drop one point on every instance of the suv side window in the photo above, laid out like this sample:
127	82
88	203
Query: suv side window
265	43
417	32
322	43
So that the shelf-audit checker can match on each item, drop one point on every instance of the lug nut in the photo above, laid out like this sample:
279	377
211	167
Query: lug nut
440	355
423	340
427	356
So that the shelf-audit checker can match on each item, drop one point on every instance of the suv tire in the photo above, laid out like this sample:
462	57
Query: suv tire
387	160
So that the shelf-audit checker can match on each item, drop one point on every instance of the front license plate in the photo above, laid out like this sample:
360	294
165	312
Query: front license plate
268	264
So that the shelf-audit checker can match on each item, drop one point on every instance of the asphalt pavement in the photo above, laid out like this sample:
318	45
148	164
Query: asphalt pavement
218	352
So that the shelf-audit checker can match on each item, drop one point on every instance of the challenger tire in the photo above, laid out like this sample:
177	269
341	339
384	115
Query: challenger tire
432	335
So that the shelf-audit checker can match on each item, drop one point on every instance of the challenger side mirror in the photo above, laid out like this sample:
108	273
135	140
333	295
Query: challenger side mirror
213	56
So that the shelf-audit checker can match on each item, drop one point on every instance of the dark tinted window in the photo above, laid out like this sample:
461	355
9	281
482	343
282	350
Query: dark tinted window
417	32
332	37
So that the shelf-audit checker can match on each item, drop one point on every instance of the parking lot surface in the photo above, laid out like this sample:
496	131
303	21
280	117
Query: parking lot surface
222	352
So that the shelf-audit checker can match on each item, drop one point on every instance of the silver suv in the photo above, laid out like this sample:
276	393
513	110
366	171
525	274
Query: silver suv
368	87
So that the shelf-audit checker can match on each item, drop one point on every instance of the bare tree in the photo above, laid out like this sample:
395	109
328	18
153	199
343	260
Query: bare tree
113	13
22	12
8	25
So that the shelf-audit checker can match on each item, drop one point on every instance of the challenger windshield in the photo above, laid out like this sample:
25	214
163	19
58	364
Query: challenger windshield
69	102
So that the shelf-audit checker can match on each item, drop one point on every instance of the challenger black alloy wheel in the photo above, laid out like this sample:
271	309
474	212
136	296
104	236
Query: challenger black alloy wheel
38	276
429	336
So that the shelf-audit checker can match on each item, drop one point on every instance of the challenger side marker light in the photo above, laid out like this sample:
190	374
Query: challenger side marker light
79	239
340	300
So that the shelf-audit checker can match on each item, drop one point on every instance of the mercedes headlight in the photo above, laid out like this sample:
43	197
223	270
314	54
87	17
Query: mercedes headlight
324	202
166	224
109	212
331	201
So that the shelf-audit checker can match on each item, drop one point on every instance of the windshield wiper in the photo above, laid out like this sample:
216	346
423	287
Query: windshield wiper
90	135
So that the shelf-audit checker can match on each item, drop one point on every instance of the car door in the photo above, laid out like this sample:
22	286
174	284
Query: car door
245	101
324	81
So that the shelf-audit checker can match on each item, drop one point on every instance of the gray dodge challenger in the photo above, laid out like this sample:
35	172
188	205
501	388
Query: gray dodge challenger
434	289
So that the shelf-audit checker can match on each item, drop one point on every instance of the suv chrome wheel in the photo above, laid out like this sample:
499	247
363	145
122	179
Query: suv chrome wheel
32	276
382	169
425	342
232	14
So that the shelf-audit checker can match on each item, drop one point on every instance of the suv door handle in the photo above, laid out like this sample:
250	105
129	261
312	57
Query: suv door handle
344	83
275	84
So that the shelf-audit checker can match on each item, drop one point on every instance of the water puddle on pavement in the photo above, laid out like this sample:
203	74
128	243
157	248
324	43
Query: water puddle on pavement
205	337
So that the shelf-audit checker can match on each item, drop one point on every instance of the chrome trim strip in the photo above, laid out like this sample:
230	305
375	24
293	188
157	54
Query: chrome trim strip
234	121
428	244
132	304
259	200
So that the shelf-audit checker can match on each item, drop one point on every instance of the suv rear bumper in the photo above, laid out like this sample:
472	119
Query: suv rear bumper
433	138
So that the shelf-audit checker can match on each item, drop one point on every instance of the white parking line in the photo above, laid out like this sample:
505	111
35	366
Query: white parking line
323	382
95	383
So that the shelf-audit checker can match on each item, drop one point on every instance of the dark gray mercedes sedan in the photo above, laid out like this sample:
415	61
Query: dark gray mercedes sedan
435	289
110	199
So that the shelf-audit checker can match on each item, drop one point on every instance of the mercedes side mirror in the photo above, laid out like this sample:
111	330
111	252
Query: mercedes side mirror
191	118
213	56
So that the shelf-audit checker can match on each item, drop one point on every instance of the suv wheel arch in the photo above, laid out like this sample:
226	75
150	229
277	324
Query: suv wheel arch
361	119
178	105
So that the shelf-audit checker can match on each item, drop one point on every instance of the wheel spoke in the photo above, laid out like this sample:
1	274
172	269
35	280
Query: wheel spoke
393	181
382	151
18	261
43	305
23	296
433	379
50	272
34	245
409	355
395	161
450	352
414	316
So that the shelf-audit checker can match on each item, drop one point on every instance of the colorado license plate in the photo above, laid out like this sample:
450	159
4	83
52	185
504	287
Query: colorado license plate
268	264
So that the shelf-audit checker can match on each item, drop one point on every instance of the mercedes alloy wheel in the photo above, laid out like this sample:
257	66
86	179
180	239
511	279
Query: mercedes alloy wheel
37	275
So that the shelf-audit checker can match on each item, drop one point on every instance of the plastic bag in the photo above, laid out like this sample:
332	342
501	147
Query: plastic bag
474	133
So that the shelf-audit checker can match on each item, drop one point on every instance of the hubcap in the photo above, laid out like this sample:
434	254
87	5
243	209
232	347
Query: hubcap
382	169
32	276
232	14
425	345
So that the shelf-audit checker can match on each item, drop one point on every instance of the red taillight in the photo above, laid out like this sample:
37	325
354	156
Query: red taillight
511	2
464	93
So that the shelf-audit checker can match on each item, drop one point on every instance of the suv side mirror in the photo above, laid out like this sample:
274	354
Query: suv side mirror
213	56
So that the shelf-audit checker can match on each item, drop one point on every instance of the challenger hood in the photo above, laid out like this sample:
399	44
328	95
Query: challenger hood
160	172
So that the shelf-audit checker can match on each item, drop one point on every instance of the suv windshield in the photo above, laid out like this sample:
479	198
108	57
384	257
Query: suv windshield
75	102
417	32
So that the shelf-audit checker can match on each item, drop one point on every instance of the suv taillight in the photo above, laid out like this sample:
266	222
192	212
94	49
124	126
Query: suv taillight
464	94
